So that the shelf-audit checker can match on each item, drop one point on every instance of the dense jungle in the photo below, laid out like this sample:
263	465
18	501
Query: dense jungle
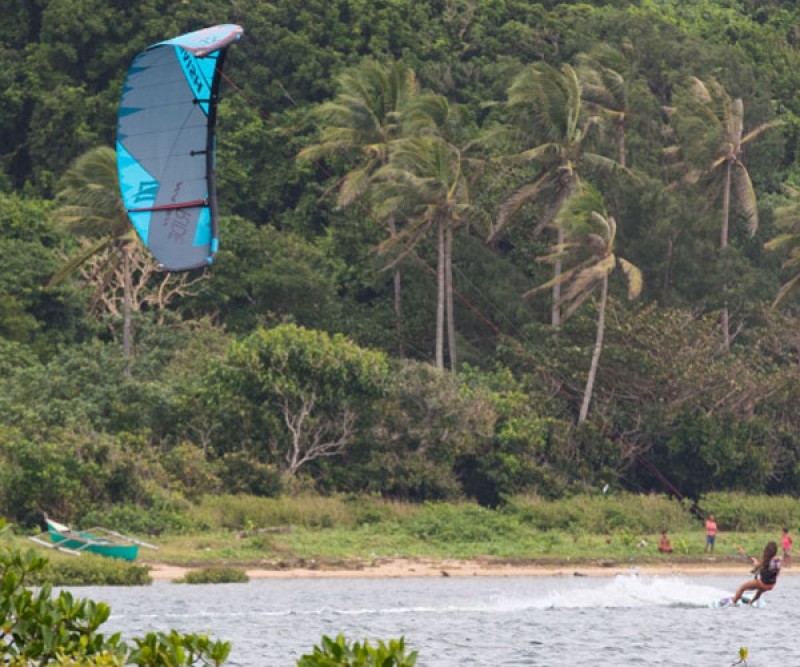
470	249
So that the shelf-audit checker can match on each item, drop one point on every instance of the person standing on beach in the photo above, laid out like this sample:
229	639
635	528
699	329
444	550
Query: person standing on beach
786	543
711	534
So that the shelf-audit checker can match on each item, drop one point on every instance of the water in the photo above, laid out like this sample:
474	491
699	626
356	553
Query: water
624	621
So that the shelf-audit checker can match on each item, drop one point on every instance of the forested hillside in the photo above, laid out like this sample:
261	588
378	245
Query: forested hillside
469	248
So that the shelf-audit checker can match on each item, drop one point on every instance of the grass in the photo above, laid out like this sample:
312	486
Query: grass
262	532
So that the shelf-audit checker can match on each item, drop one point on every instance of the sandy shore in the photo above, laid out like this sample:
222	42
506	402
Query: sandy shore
399	567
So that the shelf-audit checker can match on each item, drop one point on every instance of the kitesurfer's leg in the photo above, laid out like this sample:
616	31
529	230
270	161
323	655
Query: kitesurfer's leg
747	586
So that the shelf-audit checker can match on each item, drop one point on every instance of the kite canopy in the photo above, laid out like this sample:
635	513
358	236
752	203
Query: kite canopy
165	145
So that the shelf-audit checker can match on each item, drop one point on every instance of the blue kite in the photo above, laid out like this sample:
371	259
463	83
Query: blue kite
166	144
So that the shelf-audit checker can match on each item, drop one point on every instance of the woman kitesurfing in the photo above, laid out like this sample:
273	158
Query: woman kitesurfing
766	571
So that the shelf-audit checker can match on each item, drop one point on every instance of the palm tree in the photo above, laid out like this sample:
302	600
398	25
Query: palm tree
719	119
544	101
606	89
425	180
92	206
590	254
372	106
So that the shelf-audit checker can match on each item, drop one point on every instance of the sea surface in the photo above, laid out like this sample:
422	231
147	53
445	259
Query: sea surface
569	621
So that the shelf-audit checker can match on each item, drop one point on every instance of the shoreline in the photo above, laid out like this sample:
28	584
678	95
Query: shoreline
397	568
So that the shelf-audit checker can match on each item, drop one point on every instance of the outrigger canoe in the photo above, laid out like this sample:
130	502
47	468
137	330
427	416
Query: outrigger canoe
99	541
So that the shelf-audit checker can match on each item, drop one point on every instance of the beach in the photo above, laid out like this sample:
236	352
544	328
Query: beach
393	568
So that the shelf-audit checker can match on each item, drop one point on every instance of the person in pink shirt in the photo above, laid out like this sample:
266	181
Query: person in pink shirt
786	543
711	533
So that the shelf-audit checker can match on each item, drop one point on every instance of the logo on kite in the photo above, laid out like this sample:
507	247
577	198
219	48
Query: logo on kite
165	145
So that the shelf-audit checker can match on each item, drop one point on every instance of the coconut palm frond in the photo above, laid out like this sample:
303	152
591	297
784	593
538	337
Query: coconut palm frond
634	275
745	196
589	275
79	260
511	205
606	164
578	302
355	183
783	242
752	134
787	289
559	279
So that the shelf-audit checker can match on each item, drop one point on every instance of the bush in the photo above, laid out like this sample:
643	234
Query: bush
89	570
341	653
601	514
168	517
745	512
215	575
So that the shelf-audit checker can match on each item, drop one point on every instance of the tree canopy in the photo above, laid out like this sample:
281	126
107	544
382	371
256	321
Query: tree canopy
359	143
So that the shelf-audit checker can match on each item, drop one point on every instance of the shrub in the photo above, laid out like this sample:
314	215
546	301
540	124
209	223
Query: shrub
215	575
167	517
89	570
341	653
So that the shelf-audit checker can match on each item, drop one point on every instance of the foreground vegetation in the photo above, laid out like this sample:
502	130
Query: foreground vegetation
40	628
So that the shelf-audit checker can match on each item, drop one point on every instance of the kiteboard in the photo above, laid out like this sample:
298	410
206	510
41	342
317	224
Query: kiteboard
743	602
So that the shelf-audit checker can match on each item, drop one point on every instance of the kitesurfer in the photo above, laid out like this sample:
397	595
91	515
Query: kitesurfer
766	573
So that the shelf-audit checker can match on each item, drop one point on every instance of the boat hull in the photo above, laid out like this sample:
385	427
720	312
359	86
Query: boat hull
80	541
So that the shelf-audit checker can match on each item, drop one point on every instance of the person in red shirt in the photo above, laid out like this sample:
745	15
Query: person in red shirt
664	545
711	534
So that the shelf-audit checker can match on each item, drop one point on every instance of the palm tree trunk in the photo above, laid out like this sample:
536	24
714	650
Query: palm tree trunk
555	312
398	302
440	297
126	309
448	278
723	243
598	348
621	143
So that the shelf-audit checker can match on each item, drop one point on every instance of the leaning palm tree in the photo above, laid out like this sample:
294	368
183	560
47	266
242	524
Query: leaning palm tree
590	256
91	205
425	180
547	103
372	106
717	120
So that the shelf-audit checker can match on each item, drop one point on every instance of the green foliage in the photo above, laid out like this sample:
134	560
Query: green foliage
237	512
296	278
444	523
42	628
170	516
303	391
599	514
91	570
158	649
215	575
340	652
748	512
